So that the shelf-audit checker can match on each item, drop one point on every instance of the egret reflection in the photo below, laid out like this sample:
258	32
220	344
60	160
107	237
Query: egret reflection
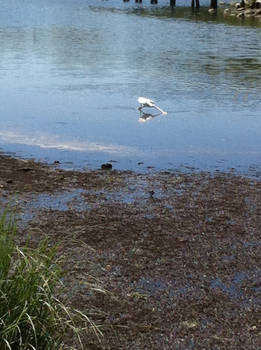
144	117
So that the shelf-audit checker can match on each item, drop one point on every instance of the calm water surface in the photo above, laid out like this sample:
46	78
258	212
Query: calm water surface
71	72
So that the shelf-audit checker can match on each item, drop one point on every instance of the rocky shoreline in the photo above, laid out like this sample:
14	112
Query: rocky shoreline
162	260
244	9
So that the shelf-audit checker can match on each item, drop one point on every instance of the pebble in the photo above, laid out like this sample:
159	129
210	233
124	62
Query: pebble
106	166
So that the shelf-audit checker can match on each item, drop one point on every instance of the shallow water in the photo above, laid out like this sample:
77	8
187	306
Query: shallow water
71	72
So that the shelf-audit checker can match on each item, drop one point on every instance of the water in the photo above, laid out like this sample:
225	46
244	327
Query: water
71	72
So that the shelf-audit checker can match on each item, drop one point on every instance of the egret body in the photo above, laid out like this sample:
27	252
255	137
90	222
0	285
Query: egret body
146	102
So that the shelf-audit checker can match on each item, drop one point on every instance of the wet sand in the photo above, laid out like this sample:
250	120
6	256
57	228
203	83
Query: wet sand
175	257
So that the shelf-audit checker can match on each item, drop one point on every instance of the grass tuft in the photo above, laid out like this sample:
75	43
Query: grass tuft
31	316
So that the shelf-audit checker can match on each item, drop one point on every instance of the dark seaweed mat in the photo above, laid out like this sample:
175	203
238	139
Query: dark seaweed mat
176	268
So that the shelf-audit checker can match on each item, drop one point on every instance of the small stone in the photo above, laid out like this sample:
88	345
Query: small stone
9	181
190	324
108	268
249	3
25	169
151	193
249	12
227	11
106	166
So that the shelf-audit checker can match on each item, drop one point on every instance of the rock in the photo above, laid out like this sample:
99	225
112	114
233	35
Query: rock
242	3
241	15
151	193
190	324
25	169
227	12
56	162
106	166
212	11
249	12
258	4
249	3
237	5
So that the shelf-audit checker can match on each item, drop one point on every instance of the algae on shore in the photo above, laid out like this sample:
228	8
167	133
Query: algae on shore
174	258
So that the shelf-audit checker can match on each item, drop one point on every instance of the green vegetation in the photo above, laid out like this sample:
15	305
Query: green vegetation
31	316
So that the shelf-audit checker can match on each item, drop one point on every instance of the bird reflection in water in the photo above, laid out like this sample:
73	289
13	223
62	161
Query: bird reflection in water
144	117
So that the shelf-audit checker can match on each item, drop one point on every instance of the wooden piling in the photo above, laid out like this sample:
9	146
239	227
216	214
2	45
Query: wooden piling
213	4
193	4
172	3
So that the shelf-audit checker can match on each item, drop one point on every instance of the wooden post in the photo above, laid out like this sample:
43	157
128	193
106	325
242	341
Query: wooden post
213	4
192	3
172	3
197	4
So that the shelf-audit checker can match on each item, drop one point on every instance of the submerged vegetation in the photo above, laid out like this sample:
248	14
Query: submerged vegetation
31	315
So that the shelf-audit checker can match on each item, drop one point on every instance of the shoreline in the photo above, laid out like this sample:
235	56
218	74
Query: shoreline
175	257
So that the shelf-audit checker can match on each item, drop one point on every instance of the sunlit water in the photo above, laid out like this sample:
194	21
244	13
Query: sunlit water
71	72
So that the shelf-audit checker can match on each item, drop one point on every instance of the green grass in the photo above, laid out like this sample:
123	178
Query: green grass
31	316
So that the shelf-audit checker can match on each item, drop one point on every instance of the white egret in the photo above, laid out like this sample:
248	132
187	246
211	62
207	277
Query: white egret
146	102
